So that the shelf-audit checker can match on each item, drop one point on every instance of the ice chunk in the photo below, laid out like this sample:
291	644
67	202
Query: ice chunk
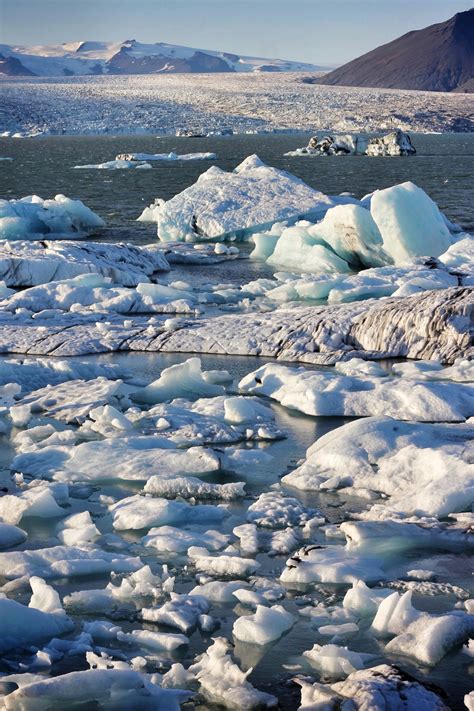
302	249
273	510
335	662
222	681
410	223
182	612
249	199
10	536
181	380
222	565
34	218
267	625
117	164
169	539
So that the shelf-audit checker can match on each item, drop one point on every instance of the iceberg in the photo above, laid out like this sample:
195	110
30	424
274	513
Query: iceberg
58	218
267	625
137	512
397	143
221	205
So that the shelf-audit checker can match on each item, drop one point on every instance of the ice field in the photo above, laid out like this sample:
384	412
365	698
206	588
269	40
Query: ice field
237	448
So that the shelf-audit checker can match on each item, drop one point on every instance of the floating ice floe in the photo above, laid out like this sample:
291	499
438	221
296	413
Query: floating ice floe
34	218
424	469
222	681
372	549
127	458
44	618
422	636
222	565
365	689
106	686
273	510
330	394
251	198
64	561
10	535
335	662
170	539
208	420
397	143
185	380
182	612
25	263
117	164
137	512
133	157
267	625
40	499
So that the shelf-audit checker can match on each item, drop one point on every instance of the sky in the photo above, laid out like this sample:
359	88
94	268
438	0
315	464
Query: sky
317	31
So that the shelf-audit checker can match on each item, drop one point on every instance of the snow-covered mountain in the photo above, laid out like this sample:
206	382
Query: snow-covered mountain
132	57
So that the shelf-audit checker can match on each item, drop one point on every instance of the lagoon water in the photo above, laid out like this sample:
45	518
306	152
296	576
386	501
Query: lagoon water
443	166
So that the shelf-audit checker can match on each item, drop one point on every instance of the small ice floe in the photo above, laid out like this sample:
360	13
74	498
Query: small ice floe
372	549
113	684
72	400
64	561
208	420
139	584
10	535
222	564
267	625
251	198
273	510
133	157
117	164
369	688
182	612
22	626
335	662
222	681
189	487
39	499
424	637
137	512
218	591
24	263
330	394
397	143
185	380
127	458
412	465
93	292
58	218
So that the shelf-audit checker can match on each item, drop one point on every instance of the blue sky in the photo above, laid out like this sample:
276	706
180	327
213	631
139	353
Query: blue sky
324	31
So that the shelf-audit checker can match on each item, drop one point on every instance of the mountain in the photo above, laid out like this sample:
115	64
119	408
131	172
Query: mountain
132	57
436	58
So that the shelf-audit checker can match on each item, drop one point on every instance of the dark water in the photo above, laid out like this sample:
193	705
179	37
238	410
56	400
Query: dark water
443	166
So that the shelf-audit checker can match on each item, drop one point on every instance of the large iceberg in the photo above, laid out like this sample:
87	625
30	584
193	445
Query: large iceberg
58	218
250	198
397	143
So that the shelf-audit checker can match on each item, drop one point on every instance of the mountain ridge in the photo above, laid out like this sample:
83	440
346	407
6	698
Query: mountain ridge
436	58
84	57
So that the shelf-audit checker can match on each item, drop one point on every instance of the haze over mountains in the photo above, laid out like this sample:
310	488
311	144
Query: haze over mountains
132	57
436	58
